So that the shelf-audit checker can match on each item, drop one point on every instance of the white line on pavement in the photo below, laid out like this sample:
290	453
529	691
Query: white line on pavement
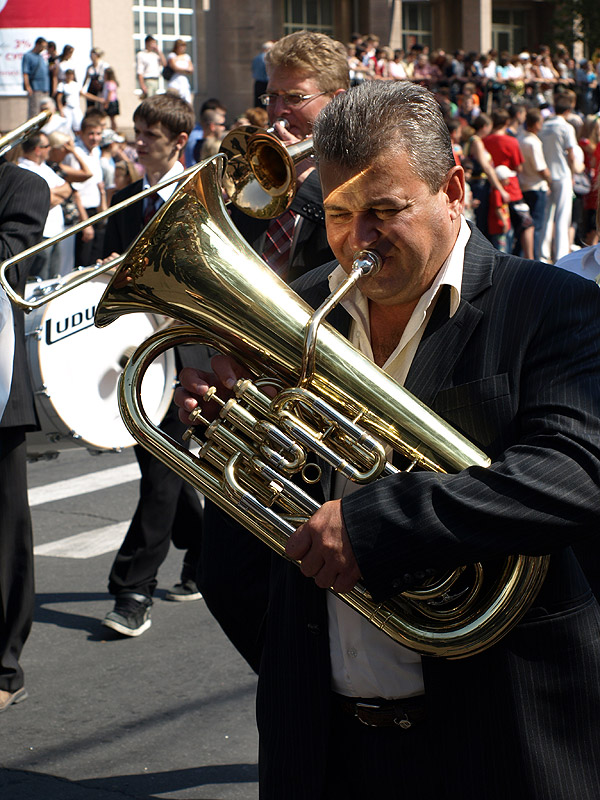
86	545
92	482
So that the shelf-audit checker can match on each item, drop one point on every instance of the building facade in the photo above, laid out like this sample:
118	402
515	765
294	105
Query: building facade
224	35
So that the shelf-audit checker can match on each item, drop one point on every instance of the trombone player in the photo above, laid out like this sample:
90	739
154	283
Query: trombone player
505	350
168	508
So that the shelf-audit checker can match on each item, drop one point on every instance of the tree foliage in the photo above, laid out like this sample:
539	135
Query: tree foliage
586	13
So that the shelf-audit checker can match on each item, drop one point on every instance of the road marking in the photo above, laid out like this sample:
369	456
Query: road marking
86	545
92	482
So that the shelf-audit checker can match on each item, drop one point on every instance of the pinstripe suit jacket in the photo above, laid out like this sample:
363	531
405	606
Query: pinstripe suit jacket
24	203
517	369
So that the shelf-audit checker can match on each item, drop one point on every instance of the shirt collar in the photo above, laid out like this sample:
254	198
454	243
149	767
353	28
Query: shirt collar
166	193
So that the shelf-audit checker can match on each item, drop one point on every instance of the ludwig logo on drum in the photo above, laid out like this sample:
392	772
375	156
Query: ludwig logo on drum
59	328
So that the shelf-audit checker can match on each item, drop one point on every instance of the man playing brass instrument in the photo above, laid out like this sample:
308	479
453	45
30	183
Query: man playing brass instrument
306	69
506	351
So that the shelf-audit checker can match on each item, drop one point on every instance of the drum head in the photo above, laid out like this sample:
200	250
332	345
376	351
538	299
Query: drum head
75	370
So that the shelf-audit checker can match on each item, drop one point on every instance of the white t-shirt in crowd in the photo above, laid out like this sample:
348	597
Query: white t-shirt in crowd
534	163
55	221
89	192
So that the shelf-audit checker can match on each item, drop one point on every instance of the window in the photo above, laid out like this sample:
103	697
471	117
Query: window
509	30
308	15
416	25
166	20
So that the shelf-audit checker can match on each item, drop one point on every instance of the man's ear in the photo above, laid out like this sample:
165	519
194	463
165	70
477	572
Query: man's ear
181	140
454	188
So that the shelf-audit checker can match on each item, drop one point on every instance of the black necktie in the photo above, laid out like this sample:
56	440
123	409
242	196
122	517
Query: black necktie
153	203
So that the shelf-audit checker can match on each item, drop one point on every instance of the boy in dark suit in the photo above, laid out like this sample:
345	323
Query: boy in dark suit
168	508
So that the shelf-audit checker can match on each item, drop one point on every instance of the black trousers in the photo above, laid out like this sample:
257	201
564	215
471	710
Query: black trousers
389	763
87	253
17	592
168	509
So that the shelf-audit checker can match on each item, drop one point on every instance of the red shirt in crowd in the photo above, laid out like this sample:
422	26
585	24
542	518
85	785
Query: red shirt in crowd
504	149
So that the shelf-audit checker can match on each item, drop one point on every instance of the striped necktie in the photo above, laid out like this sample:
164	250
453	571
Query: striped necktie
278	243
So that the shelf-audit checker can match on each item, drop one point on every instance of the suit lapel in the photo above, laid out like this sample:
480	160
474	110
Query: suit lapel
445	338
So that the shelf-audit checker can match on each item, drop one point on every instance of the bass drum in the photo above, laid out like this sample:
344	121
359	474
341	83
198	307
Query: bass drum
75	368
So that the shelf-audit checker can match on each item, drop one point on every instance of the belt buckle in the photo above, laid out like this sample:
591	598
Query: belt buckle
358	707
404	723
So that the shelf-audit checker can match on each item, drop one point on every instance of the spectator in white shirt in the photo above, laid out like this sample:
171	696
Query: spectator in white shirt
535	175
558	142
46	263
149	64
91	191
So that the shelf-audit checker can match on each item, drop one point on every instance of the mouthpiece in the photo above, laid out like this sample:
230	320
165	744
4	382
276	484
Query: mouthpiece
367	261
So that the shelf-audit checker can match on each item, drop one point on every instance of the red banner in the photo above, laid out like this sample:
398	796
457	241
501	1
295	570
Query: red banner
50	14
22	21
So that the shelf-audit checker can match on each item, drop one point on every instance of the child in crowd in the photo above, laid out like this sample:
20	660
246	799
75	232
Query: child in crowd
499	226
109	93
68	100
455	128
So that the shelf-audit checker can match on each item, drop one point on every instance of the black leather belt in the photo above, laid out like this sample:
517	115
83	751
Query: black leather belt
379	713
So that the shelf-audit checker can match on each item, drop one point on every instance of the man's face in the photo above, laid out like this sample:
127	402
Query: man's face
300	118
389	209
218	126
156	146
91	136
40	47
40	154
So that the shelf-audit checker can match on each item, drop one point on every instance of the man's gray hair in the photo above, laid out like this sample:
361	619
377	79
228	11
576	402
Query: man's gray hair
377	117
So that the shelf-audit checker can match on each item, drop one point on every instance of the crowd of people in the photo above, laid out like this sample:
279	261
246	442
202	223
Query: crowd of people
543	202
449	180
524	127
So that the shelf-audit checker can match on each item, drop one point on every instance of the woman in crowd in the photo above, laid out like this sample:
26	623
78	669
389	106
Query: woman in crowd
93	81
181	68
484	174
63	63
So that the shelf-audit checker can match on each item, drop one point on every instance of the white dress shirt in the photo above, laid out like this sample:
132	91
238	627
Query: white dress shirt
365	662
584	262
166	193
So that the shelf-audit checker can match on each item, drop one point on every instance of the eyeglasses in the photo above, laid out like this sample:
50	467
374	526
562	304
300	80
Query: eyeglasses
43	146
288	99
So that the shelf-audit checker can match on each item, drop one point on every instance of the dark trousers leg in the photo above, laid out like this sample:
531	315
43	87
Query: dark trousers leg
234	581
86	253
167	507
17	593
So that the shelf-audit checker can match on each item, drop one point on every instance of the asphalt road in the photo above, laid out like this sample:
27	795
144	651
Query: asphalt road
169	714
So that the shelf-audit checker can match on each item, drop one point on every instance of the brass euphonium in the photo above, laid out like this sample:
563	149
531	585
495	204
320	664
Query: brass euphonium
191	264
